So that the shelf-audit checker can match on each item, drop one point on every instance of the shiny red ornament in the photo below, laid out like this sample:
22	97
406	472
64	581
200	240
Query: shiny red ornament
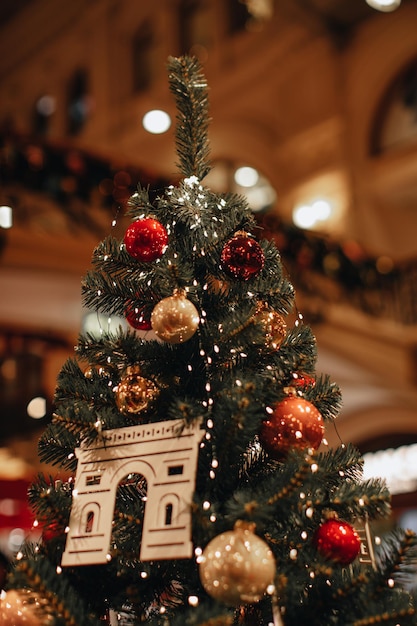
242	257
303	380
337	540
137	317
146	239
293	423
52	531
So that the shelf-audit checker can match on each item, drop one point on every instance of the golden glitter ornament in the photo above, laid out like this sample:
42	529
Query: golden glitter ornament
134	393
21	607
175	319
237	566
274	326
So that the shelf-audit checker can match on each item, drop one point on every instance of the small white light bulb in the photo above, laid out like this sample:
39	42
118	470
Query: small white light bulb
156	122
36	409
385	6
6	220
246	176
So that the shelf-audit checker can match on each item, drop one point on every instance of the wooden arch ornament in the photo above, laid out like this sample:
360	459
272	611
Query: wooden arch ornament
166	455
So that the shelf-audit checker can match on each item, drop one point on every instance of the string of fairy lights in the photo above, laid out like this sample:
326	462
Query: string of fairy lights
207	404
199	554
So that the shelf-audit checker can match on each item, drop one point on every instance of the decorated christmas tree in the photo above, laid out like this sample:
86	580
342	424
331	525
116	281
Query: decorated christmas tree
200	489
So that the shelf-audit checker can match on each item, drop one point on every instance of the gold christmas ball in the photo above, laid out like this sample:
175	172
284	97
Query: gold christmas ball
274	326
20	607
175	319
237	566
134	393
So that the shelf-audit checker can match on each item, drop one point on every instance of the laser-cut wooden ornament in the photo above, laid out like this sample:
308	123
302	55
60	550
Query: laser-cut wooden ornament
367	553
166	455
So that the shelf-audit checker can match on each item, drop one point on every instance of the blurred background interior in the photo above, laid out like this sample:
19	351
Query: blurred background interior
314	108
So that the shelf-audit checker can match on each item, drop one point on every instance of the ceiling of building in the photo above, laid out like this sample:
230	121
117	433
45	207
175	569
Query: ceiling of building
8	8
334	13
338	17
62	292
342	11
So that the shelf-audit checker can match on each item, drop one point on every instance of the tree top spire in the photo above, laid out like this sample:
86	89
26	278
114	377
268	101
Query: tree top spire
189	86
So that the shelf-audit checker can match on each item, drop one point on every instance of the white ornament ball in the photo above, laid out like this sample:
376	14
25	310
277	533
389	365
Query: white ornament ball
237	566
175	319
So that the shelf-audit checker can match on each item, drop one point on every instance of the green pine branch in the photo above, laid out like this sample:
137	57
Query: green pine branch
188	85
56	596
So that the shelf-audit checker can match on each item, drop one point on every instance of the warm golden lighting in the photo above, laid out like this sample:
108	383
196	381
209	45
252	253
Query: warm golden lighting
398	466
246	176
258	191
156	122
98	324
46	105
384	5
260	9
5	217
310	215
36	408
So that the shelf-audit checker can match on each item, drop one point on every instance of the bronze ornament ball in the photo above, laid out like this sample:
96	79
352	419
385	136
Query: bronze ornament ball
274	325
22	607
293	423
134	393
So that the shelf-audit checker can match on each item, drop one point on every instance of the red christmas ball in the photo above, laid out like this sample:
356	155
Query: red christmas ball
146	239
242	257
293	423
338	541
52	531
137	317
302	380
